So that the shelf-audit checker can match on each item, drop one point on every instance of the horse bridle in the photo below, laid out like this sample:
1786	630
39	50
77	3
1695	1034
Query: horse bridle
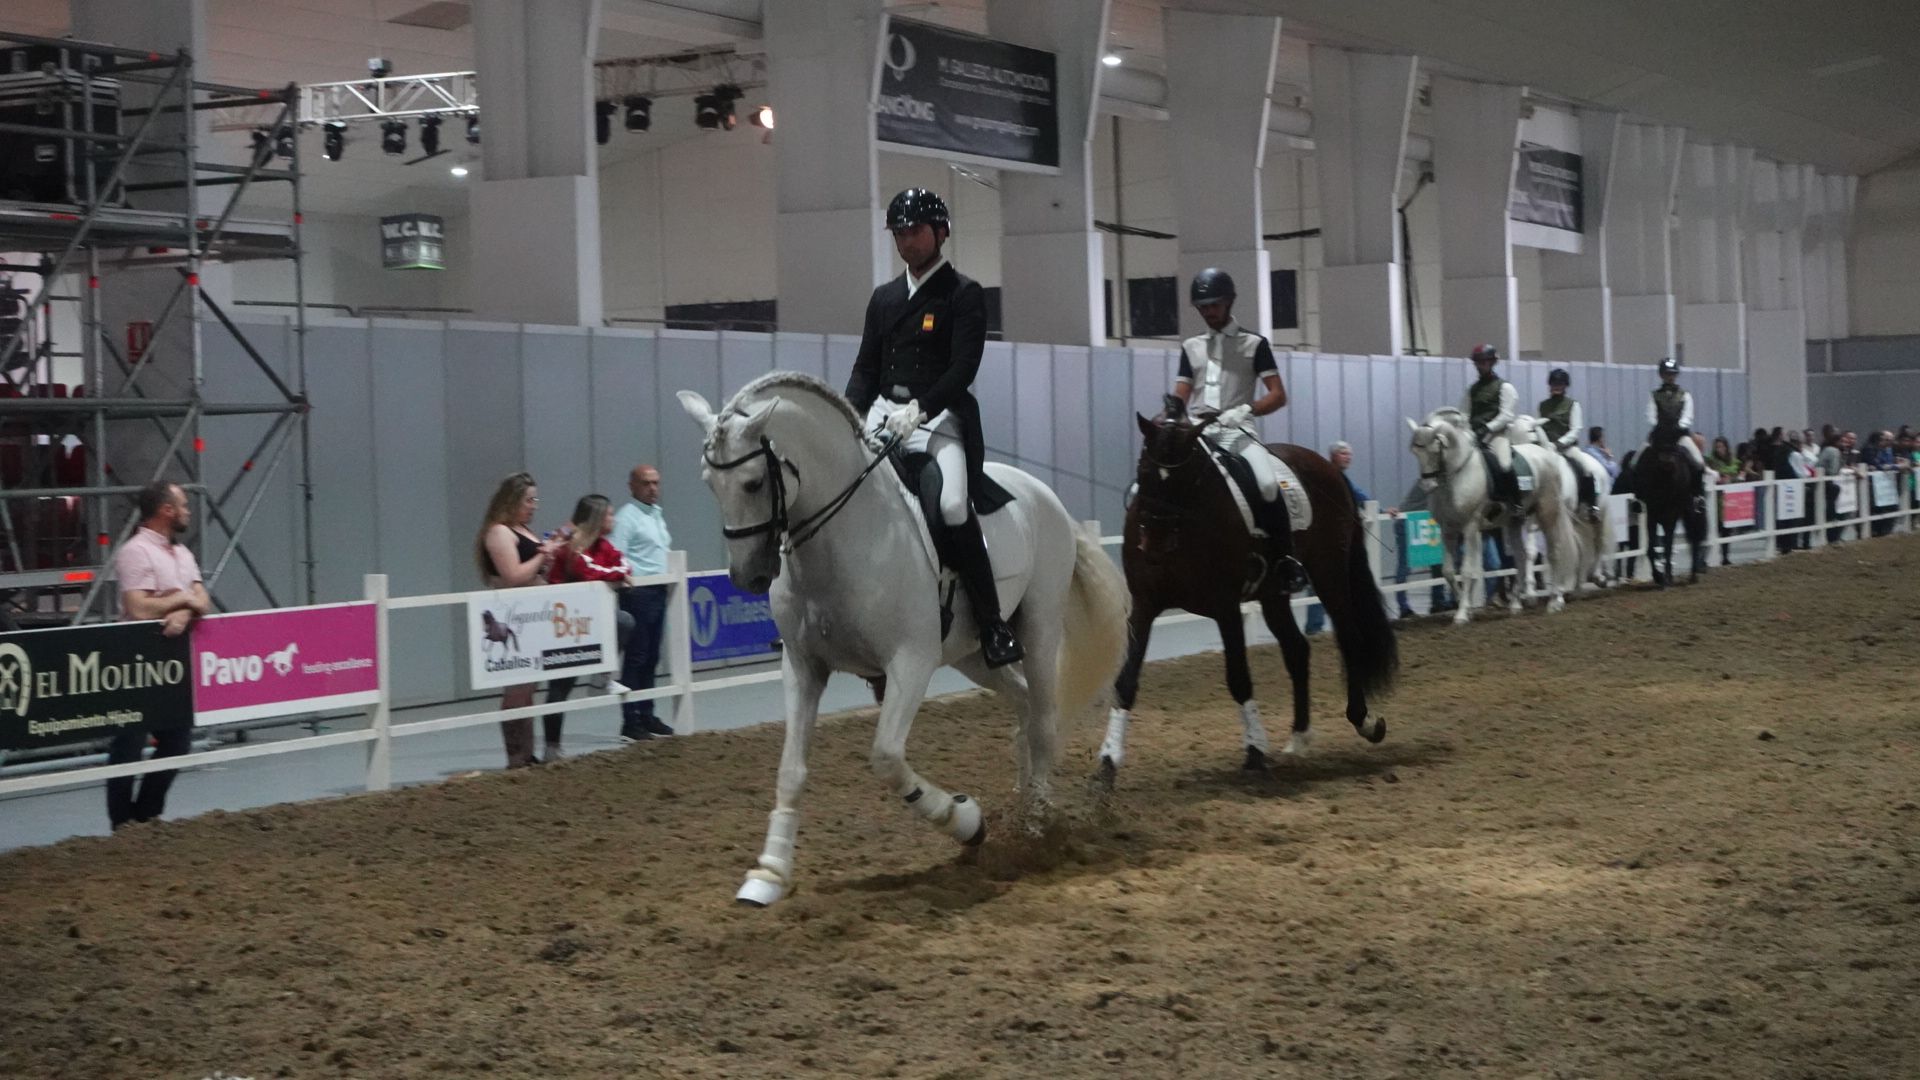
796	532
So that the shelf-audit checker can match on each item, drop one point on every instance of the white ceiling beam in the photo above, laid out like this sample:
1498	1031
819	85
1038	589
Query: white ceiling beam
662	18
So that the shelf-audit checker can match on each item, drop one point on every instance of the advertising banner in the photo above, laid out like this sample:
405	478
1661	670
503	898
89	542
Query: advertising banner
1886	490
1793	500
531	635
958	95
726	623
1846	496
1546	188
413	242
276	663
1619	516
76	683
1736	506
1423	540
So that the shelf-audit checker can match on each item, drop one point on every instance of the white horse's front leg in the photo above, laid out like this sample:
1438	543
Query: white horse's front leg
1469	573
958	815
1518	553
772	879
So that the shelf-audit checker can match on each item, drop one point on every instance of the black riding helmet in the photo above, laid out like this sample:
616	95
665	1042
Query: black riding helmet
1559	377
1483	352
1669	366
918	206
1209	286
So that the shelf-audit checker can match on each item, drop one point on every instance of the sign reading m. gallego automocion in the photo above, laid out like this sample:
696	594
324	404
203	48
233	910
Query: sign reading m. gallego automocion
77	683
531	635
955	94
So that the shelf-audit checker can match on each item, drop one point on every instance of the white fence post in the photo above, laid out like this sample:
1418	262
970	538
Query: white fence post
680	643
380	714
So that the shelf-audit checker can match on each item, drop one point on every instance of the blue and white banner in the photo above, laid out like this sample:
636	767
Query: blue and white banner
726	623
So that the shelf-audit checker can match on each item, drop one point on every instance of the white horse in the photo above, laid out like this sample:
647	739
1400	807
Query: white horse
1455	473
811	513
1592	533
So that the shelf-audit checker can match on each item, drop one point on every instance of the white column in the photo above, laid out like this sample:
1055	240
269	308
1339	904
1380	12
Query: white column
1051	259
538	209
821	62
1219	71
1576	294
1776	214
1823	256
1476	129
1713	315
1639	242
1361	102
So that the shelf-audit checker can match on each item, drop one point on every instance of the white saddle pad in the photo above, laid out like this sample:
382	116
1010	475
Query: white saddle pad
1008	548
1299	507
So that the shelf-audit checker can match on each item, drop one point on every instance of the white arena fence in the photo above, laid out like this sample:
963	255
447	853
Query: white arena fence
1854	516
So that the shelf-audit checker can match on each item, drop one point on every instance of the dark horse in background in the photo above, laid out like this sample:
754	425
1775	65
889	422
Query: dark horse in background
1188	547
1665	483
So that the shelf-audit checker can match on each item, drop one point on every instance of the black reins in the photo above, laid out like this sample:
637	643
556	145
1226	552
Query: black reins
797	532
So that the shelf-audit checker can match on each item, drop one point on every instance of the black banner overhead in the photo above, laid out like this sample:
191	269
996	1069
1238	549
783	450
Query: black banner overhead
1546	188
79	683
957	95
413	242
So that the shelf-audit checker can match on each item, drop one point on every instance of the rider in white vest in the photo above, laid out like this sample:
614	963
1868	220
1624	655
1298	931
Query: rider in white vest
1489	406
1224	369
1673	405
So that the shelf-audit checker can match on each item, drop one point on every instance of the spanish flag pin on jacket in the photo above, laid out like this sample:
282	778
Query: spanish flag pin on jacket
926	322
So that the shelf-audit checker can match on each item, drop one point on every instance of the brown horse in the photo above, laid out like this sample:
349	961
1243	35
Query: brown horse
1188	547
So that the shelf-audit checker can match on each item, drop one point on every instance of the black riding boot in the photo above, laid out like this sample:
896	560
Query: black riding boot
998	646
1280	558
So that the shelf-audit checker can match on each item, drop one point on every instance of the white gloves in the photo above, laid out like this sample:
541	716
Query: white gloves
1238	416
903	421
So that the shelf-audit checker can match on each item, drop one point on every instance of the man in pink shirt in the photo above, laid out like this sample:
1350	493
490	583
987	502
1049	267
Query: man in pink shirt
159	580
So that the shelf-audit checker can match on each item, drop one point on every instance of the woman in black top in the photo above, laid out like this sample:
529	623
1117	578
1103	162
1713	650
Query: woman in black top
509	556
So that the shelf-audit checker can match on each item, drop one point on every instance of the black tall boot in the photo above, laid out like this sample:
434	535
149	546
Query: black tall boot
1281	562
998	646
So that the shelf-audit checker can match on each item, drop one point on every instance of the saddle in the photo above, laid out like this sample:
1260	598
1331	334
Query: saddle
921	478
1520	477
1255	512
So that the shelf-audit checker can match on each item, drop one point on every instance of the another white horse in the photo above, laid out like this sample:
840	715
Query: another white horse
810	513
1592	533
1455	473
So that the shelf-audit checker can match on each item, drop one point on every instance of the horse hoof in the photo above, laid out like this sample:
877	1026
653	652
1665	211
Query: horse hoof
1107	773
1297	743
1373	729
967	825
1255	761
759	892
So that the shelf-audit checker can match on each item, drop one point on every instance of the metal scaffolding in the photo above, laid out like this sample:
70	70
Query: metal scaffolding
67	512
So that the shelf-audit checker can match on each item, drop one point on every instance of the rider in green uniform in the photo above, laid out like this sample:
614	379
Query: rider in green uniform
1489	407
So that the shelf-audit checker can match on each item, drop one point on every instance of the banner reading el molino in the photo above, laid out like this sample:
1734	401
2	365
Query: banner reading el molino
959	95
531	635
76	683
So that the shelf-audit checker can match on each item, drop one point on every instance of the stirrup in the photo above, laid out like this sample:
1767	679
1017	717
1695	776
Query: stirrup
998	645
1293	573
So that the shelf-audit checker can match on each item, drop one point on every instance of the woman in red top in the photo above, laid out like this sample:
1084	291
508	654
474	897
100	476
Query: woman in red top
586	556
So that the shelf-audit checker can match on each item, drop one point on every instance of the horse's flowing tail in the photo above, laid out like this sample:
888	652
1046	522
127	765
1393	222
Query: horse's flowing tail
1368	649
1094	645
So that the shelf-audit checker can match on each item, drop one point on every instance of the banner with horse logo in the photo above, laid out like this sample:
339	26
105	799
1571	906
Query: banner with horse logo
531	635
277	663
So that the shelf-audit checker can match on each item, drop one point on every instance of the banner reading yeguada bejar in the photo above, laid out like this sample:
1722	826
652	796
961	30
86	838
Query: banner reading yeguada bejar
531	635
277	663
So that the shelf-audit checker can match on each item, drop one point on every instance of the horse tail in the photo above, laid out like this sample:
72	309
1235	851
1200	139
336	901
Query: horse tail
1368	648
1094	645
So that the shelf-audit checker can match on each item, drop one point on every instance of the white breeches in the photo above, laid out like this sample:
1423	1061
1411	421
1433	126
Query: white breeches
1239	441
939	437
1502	450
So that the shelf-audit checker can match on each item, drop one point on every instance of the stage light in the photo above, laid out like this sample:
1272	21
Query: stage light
262	145
603	121
458	171
1111	59
334	139
714	111
639	113
762	117
283	137
473	129
429	134
393	137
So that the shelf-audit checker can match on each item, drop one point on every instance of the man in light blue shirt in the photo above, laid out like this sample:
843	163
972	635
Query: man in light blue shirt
640	533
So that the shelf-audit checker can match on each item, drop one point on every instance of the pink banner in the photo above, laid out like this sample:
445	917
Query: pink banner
1736	508
272	663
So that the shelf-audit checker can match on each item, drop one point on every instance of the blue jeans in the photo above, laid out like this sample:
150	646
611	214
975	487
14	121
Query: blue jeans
648	606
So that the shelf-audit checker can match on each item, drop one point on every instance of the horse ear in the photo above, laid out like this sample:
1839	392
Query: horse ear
1146	425
699	410
756	419
1411	426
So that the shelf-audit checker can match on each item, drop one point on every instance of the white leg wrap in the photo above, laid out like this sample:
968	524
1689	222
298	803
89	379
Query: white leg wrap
1114	747
1255	731
1297	742
770	880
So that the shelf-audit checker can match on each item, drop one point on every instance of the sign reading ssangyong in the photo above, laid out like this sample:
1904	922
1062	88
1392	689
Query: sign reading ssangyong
276	663
76	683
531	635
957	94
1546	188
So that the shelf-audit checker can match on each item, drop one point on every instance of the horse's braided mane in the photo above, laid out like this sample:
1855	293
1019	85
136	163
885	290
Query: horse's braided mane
1451	414
794	380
